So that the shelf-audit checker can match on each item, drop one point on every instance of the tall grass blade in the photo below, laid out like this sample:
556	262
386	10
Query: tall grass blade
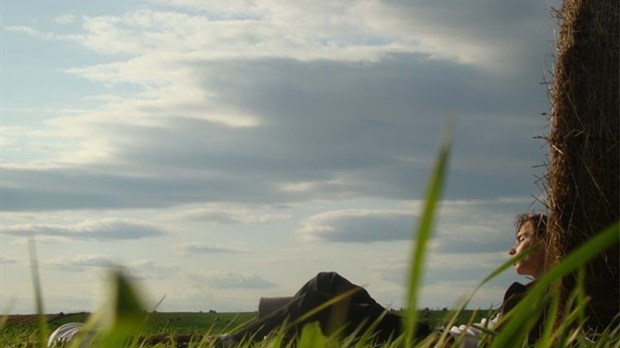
38	295
126	314
312	337
424	233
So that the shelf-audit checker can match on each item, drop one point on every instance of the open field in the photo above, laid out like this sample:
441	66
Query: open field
196	321
20	328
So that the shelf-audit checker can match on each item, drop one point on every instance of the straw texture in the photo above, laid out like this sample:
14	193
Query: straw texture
583	174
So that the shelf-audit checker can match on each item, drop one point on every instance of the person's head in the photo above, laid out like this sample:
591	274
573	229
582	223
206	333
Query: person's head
530	232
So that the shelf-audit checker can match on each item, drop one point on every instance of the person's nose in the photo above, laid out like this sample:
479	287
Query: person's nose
512	251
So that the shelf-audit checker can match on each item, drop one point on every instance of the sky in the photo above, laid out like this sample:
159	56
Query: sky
220	152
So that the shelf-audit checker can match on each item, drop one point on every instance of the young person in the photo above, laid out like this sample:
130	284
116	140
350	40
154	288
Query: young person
530	233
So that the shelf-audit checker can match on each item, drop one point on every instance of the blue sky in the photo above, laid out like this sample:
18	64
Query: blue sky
224	152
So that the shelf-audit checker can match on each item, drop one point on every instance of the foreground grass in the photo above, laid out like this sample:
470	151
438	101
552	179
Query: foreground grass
22	330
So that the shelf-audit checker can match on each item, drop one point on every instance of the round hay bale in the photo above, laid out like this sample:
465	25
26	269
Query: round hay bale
584	170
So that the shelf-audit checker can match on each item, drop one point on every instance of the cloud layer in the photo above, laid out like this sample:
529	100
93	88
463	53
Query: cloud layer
260	139
97	230
360	226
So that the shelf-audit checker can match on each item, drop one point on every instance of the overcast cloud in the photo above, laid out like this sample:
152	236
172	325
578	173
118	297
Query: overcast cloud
205	248
246	145
99	230
230	280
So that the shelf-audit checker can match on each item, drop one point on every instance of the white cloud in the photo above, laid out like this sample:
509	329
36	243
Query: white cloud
82	262
218	8
303	129
365	30
358	226
191	248
39	34
233	214
101	230
150	269
137	269
230	280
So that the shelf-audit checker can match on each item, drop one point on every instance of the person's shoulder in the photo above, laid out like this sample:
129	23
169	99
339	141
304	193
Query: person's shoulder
517	288
515	292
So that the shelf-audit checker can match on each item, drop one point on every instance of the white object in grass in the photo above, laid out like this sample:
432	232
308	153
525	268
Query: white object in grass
66	333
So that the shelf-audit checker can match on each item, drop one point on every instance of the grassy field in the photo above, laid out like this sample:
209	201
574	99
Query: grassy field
18	328
22	330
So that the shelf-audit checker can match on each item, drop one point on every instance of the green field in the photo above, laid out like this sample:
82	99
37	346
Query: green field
18	330
188	322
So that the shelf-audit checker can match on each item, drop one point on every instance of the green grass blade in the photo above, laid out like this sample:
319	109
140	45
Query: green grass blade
36	284
312	337
423	235
126	314
547	339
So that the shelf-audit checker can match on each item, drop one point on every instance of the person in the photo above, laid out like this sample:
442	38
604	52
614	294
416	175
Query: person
530	234
359	311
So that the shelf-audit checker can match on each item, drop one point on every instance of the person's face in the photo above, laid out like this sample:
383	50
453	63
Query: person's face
534	264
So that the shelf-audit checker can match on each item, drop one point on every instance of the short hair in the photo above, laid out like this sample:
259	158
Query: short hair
539	221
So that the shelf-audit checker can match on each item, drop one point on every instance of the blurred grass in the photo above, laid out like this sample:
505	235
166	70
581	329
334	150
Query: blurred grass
34	266
123	320
423	234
